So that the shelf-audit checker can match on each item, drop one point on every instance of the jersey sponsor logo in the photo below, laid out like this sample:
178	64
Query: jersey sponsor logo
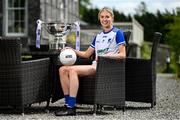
102	51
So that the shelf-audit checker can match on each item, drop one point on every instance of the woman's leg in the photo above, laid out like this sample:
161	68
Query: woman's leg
75	72
64	79
69	79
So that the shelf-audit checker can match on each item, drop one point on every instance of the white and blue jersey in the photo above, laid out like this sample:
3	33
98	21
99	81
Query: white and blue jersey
105	42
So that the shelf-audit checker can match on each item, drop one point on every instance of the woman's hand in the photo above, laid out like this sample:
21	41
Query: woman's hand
114	55
67	48
108	55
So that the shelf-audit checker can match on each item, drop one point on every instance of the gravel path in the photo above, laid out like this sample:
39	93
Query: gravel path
167	108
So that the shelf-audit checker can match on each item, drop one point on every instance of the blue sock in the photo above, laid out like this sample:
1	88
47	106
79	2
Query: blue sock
71	102
66	98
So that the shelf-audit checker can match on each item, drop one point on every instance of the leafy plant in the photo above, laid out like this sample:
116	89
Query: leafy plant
173	36
145	51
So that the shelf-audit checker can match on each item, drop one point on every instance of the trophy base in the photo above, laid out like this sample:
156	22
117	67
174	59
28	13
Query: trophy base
55	46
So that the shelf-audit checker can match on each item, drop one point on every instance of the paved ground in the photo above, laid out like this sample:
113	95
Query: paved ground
167	108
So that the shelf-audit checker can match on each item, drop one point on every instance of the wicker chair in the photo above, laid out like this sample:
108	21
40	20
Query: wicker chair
107	87
141	76
21	82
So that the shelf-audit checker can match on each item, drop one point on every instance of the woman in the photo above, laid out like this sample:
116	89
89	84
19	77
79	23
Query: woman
108	43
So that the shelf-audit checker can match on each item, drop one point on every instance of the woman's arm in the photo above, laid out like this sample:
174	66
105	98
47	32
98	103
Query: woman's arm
85	54
120	55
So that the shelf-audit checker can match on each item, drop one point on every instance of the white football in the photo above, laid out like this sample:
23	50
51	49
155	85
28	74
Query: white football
68	57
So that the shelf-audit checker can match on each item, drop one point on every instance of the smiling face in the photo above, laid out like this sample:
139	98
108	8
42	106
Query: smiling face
106	20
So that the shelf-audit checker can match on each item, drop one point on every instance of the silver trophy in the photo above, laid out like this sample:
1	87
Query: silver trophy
59	31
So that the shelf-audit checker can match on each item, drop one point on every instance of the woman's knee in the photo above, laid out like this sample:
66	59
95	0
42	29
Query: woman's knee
72	69
63	69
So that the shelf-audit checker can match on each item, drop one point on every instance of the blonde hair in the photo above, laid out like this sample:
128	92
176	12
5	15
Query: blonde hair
106	9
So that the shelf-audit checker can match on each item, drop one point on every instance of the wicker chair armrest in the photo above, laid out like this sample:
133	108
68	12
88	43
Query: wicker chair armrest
137	59
110	65
35	60
136	66
35	68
